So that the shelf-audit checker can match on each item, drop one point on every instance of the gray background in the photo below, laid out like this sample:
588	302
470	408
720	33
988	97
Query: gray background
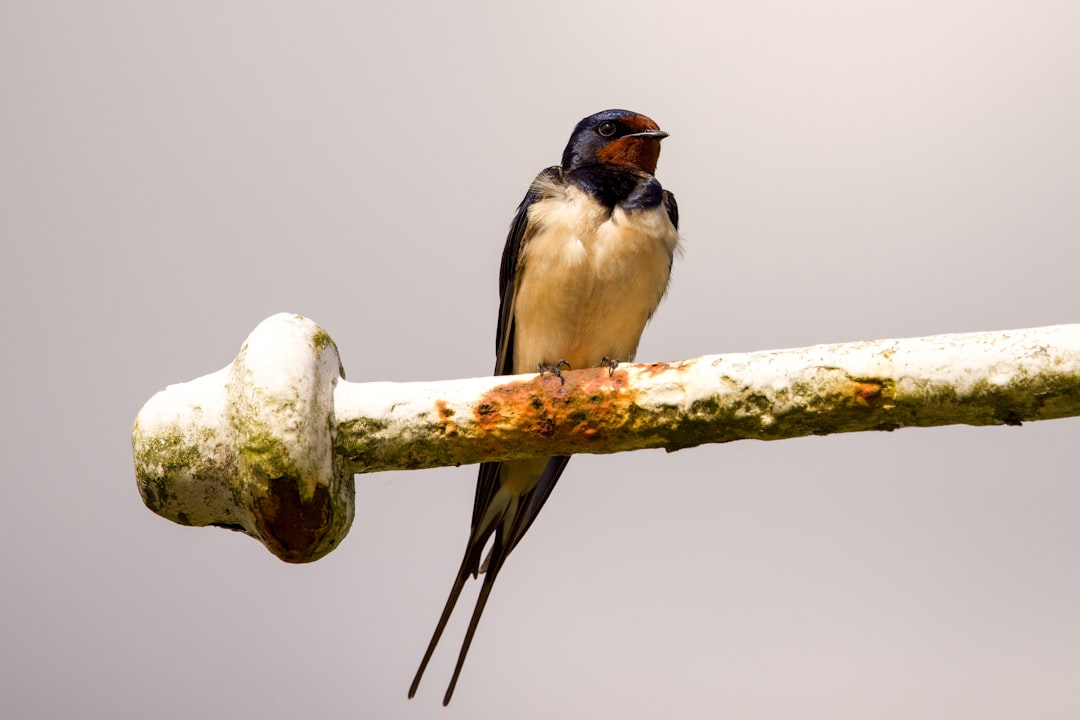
173	172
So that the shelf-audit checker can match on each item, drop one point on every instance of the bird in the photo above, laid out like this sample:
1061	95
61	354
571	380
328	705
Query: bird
587	260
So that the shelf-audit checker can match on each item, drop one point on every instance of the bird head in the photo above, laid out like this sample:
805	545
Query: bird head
614	137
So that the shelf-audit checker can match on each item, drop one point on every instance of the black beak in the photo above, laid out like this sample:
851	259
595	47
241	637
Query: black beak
654	134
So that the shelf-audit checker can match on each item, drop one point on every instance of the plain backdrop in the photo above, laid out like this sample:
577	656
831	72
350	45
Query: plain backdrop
171	173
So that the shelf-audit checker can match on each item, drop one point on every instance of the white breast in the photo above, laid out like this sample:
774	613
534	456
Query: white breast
588	280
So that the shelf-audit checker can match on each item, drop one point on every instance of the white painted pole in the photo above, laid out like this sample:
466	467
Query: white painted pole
269	444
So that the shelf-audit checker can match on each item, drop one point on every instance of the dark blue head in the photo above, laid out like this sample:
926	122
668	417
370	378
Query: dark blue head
614	137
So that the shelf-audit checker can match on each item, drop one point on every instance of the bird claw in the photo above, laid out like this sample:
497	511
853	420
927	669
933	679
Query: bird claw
610	364
555	369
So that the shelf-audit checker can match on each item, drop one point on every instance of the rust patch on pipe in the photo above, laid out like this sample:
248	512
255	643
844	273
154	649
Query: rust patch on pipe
659	368
291	528
448	427
873	393
585	405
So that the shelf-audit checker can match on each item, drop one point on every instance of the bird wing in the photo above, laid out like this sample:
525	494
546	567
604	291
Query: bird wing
509	272
672	208
488	481
518	237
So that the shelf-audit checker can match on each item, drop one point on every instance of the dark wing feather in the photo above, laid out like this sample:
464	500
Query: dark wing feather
535	500
511	256
503	543
672	208
488	480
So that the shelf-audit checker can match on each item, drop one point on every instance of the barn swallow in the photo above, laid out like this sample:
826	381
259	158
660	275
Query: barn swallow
586	262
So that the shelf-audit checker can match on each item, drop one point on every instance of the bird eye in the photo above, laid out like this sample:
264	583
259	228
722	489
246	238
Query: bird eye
606	128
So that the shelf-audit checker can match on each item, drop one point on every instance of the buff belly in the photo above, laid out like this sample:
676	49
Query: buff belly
588	281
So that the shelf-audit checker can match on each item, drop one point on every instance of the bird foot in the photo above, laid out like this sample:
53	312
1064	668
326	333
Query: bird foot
555	369
610	364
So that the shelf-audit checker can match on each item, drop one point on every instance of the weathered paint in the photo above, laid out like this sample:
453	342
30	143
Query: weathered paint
250	447
269	444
